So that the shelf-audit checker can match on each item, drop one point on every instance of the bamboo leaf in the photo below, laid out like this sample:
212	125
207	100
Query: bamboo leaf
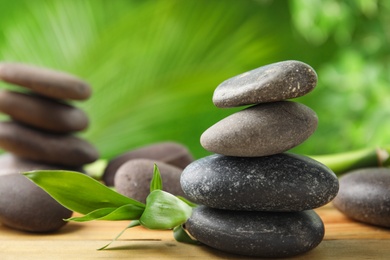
156	183
132	224
181	235
125	212
79	192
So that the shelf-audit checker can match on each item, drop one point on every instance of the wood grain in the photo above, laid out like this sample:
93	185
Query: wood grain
344	239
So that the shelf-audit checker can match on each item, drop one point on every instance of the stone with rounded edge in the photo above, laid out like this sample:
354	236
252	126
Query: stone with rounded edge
365	196
43	113
261	130
47	82
282	182
28	143
260	234
270	83
133	178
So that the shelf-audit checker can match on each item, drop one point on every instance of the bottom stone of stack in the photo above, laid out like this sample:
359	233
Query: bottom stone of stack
261	234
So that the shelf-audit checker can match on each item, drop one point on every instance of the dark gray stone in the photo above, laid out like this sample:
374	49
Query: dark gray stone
261	130
47	82
281	182
31	144
25	206
171	153
270	83
133	178
43	113
261	234
365	196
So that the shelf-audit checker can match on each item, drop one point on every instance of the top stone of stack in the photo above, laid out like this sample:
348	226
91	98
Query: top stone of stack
270	83
46	82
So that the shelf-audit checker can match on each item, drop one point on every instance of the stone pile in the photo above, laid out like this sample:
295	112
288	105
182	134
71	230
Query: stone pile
40	135
257	199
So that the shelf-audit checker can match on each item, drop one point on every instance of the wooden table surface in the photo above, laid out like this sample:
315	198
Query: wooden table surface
344	239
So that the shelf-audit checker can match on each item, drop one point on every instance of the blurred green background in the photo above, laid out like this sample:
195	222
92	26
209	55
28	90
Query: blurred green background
154	64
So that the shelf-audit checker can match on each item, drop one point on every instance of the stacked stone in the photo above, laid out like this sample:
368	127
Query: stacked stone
40	135
257	199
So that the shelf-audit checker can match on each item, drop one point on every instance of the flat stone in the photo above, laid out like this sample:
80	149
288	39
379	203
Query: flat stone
261	130
365	196
31	144
133	178
43	113
270	83
25	206
47	82
11	164
281	182
172	153
260	234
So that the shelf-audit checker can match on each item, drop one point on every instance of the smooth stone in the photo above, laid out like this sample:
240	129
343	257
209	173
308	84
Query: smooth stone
133	178
270	83
25	206
261	130
11	164
43	113
171	153
281	182
365	196
261	234
47	82
31	144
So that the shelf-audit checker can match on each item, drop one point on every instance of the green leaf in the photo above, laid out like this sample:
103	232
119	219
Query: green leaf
189	203
132	224
156	183
164	211
125	212
79	192
181	235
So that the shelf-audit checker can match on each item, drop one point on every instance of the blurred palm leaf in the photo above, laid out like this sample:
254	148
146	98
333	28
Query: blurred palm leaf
153	65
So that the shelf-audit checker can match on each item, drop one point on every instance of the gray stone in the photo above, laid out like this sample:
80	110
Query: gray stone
270	83
47	82
25	206
44	147
281	182
133	178
365	196
261	130
171	153
43	113
261	234
11	164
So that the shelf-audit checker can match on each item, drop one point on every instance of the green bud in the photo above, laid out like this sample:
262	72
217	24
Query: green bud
164	211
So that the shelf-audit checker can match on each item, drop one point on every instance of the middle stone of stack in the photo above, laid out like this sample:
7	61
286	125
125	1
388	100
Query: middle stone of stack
266	194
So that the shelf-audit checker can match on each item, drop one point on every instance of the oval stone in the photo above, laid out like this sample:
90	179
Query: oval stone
133	178
31	144
261	234
270	83
261	130
365	196
281	182
47	82
25	206
11	164
43	113
172	153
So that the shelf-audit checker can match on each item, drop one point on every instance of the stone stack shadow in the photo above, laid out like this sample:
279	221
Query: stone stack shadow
257	199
